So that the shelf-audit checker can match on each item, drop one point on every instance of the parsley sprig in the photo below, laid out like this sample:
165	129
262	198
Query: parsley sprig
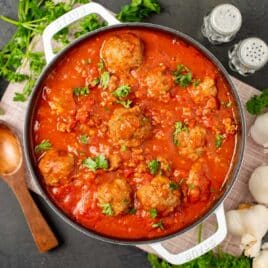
45	145
99	162
258	103
182	76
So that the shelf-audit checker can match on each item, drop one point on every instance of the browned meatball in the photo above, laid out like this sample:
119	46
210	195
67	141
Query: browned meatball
122	52
157	83
159	195
129	127
117	194
56	167
191	142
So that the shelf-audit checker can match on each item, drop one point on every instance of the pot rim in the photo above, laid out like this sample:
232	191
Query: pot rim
28	128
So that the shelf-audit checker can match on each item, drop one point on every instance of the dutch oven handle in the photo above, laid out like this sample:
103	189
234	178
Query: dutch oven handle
94	8
69	18
200	249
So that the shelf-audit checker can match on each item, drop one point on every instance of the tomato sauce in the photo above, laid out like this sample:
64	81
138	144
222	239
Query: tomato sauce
88	115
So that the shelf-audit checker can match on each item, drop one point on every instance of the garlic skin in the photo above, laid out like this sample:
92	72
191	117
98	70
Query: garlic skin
251	224
261	261
258	184
259	130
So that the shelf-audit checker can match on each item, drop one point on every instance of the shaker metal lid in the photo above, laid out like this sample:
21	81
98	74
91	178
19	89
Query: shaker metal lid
226	19
253	52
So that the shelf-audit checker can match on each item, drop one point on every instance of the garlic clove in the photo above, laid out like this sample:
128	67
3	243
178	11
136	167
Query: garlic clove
259	130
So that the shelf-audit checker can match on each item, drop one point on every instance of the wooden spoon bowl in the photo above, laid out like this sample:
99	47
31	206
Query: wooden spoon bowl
12	172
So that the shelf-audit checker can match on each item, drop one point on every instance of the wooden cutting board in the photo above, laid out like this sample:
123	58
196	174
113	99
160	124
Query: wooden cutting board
254	157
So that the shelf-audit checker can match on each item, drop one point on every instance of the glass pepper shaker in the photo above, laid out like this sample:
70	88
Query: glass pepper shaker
248	56
222	24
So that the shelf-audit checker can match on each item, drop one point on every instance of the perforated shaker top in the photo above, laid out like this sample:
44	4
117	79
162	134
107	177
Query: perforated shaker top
253	52
226	19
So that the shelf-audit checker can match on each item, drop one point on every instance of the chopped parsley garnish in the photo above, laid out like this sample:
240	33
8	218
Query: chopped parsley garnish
154	166
153	213
196	82
182	76
122	91
123	148
174	186
105	79
137	10
125	103
258	103
43	146
191	186
81	91
158	225
99	162
179	127
84	139
95	82
218	140
101	65
107	209
132	211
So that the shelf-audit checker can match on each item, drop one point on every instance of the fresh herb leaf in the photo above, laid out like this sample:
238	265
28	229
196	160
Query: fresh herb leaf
45	145
107	209
122	91
89	23
191	186
154	166
153	213
258	103
105	79
218	140
125	103
95	82
158	225
84	139
196	82
132	211
81	91
99	162
182	76
174	186
90	163
101	65
138	9
208	260
123	148
179	127
27	90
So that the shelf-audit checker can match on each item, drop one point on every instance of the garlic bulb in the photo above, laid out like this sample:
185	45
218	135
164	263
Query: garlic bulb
261	261
259	130
258	184
251	224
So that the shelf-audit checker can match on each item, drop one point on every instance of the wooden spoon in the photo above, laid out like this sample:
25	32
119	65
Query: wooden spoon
12	172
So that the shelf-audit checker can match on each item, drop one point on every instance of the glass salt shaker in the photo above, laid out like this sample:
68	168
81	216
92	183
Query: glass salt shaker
248	56
222	24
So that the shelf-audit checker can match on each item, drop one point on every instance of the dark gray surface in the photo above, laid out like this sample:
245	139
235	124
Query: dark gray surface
76	250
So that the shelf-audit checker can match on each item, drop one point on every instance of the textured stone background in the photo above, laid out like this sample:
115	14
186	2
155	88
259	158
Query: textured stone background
17	249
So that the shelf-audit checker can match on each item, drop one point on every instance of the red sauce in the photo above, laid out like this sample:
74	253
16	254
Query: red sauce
78	197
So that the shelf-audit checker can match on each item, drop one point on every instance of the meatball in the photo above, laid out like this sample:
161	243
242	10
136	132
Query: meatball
191	142
56	167
122	52
198	183
129	127
205	89
205	94
116	193
158	194
64	108
157	83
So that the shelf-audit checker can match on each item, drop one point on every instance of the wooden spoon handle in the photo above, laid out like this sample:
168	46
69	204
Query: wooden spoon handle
41	232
